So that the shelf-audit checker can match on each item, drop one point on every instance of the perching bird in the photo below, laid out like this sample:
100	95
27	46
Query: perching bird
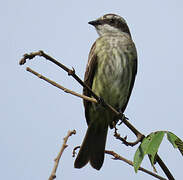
110	73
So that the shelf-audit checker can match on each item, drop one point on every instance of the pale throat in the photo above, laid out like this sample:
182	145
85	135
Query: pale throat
107	29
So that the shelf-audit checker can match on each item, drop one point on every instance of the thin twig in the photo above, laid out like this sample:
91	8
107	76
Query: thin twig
60	87
124	141
71	72
165	169
57	159
118	157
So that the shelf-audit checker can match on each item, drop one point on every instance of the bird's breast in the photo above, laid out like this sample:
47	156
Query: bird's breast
113	74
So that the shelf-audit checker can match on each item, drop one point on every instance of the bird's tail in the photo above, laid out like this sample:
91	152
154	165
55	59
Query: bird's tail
93	146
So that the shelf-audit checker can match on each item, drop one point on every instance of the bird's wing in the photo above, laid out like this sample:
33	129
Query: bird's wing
132	55
88	78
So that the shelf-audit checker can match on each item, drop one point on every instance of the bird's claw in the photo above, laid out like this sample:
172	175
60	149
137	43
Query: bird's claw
101	101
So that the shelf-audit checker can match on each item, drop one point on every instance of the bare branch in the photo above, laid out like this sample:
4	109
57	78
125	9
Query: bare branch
60	87
118	157
57	159
164	168
71	72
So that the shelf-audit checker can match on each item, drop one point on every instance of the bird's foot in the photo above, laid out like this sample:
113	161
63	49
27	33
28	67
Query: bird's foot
119	120
122	118
101	102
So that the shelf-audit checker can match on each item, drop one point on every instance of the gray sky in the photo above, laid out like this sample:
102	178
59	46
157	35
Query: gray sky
36	116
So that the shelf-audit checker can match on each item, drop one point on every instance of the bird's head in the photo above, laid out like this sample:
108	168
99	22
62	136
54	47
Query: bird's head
110	23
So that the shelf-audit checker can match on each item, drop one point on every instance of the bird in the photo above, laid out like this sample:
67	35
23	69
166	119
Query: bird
110	73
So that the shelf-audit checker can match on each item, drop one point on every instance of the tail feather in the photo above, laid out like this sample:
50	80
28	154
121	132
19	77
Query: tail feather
97	149
93	146
84	153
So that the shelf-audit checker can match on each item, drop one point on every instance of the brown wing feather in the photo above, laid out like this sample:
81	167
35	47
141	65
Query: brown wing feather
88	78
132	83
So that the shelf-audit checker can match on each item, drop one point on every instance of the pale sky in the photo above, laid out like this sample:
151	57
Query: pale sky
35	116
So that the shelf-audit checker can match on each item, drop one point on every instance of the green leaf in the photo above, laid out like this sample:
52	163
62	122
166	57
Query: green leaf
153	147
140	153
172	137
175	141
149	145
179	144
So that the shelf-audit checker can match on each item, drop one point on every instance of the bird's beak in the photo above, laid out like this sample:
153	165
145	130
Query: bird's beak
94	23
